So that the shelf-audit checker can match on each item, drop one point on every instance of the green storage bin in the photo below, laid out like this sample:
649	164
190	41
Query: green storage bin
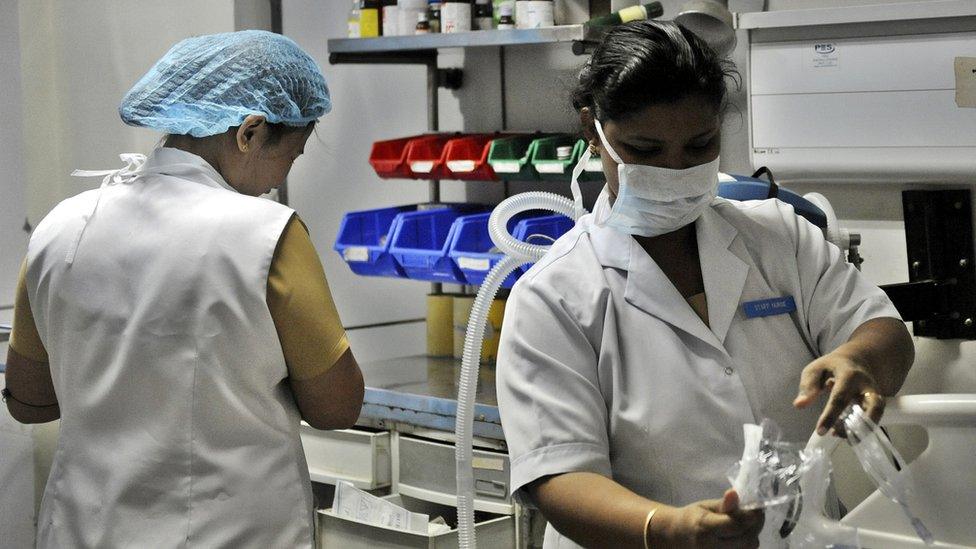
547	163
510	158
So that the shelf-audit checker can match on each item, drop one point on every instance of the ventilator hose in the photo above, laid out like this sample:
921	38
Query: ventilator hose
517	253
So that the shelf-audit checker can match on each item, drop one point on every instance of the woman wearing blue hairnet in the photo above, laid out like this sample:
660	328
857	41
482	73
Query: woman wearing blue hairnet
180	326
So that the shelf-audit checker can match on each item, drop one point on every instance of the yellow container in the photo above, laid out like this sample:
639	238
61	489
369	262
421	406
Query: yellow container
493	329
440	329
369	23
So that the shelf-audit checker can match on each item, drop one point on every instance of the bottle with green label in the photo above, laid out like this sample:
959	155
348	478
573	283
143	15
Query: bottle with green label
626	15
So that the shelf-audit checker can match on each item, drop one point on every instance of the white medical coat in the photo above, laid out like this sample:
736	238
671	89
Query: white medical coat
178	427
604	367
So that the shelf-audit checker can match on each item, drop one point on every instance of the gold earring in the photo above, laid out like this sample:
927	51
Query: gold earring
244	148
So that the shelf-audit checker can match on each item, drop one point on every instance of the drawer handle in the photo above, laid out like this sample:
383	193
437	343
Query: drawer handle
491	488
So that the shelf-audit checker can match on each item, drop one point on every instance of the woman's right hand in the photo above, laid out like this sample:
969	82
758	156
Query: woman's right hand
715	523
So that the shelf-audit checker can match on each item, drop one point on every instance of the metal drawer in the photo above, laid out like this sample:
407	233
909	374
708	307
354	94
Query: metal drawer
426	470
359	457
492	531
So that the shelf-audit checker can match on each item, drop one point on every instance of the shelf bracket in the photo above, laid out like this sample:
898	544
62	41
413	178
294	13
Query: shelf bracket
450	79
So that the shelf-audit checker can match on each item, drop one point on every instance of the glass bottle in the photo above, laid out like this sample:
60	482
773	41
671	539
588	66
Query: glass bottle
496	9
505	19
434	15
483	19
423	24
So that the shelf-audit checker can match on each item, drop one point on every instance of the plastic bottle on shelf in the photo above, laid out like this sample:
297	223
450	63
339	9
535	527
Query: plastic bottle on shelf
369	18
633	13
390	18
483	19
434	15
456	16
407	11
505	19
423	24
534	14
353	20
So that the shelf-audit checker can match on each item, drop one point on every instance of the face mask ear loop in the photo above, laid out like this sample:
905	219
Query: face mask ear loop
574	183
606	144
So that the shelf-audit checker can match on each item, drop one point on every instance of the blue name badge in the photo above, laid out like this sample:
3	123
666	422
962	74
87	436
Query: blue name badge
768	307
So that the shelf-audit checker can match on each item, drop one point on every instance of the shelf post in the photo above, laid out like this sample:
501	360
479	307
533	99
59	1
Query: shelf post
433	125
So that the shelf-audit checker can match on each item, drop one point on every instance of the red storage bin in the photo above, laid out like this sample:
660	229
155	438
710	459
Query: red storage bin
389	158
425	156
466	157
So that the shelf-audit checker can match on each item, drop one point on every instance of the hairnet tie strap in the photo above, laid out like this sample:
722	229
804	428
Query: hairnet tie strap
133	163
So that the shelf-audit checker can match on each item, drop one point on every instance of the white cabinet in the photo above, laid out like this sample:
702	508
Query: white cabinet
863	95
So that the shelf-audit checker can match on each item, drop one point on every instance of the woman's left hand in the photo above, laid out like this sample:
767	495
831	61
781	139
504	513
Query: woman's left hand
848	382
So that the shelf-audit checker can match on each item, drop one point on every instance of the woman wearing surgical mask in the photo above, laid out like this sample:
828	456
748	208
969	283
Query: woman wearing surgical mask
634	351
181	326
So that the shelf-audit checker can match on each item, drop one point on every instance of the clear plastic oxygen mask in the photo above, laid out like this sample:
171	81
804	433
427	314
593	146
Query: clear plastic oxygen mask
791	482
882	462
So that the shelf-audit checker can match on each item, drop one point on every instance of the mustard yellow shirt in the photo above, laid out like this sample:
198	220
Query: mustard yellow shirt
312	337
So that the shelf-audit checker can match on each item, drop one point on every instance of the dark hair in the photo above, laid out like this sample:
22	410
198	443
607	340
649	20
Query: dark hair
644	63
277	131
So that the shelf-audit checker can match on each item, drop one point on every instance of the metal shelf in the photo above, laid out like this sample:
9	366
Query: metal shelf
474	39
422	391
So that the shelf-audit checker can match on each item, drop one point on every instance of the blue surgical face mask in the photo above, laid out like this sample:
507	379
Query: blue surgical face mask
652	201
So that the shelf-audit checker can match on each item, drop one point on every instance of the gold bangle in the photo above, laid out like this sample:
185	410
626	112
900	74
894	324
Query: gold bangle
647	526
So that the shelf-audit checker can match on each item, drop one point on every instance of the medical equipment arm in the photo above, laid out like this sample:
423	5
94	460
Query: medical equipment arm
872	364
31	397
595	511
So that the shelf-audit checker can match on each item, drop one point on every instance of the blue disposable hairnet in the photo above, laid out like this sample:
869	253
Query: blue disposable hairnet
207	84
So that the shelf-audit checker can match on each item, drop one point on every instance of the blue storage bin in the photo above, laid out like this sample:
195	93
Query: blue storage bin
364	241
551	226
420	243
471	248
750	188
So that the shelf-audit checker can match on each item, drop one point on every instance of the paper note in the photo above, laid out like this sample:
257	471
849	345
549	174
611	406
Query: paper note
965	82
356	253
352	503
474	264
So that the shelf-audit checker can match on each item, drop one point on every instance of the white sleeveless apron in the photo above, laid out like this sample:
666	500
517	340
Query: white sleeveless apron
177	428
